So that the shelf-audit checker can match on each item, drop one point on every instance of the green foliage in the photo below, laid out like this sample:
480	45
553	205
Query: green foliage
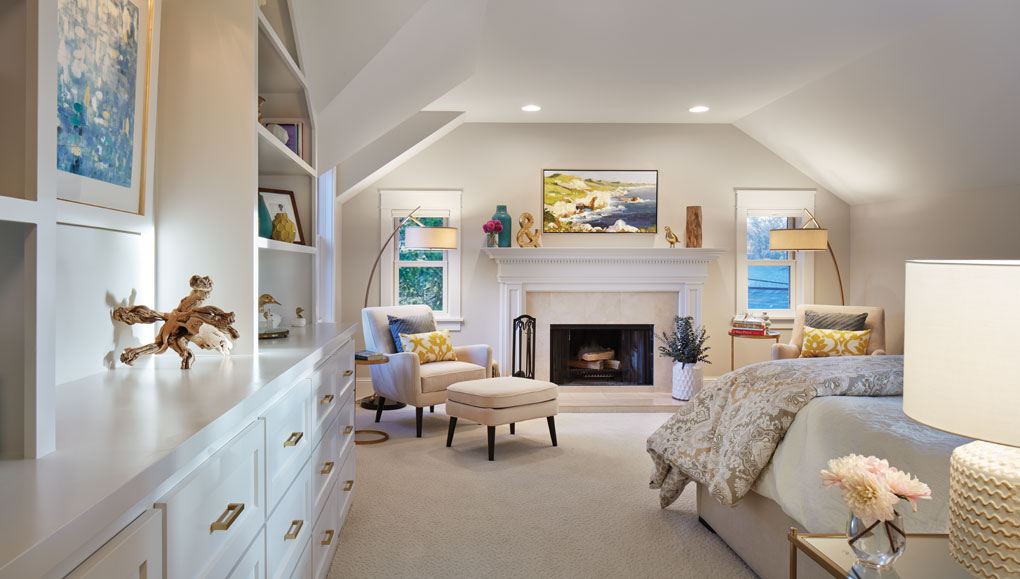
421	285
684	344
758	236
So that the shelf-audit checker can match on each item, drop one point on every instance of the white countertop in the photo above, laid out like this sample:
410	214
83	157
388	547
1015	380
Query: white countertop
121	434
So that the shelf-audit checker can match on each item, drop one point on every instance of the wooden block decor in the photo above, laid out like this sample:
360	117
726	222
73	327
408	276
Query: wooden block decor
694	226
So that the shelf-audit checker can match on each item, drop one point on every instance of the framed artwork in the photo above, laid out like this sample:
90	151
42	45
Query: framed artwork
104	68
282	201
295	134
581	201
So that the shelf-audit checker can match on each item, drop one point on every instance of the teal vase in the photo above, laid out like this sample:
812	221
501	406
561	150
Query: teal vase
503	217
265	219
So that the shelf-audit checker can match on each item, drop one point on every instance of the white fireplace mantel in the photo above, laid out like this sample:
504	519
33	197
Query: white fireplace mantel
590	269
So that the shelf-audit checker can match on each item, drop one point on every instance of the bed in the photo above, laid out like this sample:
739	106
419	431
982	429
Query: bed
754	442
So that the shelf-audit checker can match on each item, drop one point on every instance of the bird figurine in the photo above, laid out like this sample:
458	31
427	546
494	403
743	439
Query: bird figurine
271	320
526	237
299	321
671	237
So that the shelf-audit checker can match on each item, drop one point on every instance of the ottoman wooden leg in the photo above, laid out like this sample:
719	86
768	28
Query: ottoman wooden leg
418	411
492	442
552	428
512	430
379	401
449	435
432	409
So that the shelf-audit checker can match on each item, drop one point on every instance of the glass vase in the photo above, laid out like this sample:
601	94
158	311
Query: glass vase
503	217
877	544
491	240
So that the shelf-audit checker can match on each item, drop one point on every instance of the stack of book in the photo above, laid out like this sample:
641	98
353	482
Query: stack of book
369	356
747	325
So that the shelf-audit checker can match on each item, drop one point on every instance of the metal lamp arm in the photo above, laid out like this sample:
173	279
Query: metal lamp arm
371	275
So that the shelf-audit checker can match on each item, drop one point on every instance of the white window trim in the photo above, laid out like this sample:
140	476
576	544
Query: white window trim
400	202
779	202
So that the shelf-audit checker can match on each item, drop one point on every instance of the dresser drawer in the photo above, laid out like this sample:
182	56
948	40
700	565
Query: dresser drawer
324	468
137	551
288	440
326	534
344	363
345	421
216	511
326	399
289	527
345	486
253	564
303	570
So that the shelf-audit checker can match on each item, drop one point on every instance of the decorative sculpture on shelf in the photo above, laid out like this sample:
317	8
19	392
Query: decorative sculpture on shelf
694	226
299	321
283	227
269	326
671	237
526	237
208	327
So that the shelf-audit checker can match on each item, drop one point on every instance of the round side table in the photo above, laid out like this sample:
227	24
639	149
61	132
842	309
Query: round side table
369	404
768	336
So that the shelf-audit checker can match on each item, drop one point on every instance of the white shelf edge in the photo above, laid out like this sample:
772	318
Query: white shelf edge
281	50
272	244
282	149
19	210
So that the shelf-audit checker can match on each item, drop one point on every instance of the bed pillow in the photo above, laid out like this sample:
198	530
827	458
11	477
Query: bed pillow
430	346
835	321
416	324
819	343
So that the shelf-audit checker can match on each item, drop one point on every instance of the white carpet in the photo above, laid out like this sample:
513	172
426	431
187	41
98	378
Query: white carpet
582	509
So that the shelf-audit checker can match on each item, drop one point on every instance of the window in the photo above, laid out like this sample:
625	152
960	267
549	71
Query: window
413	276
771	281
325	297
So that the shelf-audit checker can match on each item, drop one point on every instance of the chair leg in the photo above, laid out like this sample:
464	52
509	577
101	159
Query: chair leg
552	428
379	401
512	429
418	411
449	435
432	409
492	442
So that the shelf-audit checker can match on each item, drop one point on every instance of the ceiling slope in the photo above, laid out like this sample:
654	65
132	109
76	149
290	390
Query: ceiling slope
931	113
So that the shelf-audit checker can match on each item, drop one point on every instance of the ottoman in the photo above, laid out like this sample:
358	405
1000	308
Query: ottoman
497	401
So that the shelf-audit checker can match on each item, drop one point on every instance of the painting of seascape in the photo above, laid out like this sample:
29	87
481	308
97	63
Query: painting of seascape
600	201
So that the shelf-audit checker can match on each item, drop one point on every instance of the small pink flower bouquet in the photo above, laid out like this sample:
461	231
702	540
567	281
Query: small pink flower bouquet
871	488
492	226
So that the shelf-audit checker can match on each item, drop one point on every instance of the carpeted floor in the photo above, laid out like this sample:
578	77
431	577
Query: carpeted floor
582	509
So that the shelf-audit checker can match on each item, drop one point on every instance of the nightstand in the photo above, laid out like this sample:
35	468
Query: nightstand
926	556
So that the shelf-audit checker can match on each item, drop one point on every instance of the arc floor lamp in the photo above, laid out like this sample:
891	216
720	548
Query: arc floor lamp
806	238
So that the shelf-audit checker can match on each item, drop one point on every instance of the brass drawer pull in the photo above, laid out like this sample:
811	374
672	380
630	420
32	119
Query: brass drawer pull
348	429
326	399
227	518
327	468
292	532
293	439
348	372
329	537
348	486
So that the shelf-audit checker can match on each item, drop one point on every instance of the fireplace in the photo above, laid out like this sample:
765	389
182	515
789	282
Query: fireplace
601	354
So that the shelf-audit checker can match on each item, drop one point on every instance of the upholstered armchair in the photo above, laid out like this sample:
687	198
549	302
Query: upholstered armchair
404	378
875	322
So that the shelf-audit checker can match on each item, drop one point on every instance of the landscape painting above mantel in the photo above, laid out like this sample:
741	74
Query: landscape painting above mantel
600	201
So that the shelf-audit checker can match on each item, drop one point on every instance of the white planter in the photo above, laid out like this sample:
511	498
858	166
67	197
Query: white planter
687	380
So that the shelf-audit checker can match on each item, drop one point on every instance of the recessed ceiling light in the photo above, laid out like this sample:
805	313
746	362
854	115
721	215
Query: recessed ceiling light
531	108
698	109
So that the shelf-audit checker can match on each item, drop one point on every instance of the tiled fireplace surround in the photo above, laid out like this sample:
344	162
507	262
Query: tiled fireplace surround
598	286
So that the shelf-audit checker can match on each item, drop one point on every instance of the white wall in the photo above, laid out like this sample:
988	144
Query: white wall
502	164
965	225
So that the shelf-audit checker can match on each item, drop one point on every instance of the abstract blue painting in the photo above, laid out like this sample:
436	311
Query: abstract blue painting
97	84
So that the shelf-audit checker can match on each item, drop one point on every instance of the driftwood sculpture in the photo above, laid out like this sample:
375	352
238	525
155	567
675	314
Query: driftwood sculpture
208	327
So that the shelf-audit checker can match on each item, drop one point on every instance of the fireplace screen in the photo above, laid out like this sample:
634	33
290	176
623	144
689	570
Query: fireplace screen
601	354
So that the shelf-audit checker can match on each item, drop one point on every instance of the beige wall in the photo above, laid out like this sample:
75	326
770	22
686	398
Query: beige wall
502	164
966	225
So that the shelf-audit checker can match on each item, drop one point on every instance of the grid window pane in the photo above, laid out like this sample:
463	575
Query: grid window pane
758	237
421	285
421	254
768	287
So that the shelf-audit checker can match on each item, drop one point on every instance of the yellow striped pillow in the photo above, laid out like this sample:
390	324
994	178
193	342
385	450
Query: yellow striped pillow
824	343
430	346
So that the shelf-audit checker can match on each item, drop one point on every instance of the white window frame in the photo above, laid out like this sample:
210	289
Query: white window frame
396	204
779	203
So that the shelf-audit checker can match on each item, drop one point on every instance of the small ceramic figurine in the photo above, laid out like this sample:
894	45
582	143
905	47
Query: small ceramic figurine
671	237
270	319
526	237
283	227
299	321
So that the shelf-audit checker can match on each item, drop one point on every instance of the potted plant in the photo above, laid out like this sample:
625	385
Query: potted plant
686	346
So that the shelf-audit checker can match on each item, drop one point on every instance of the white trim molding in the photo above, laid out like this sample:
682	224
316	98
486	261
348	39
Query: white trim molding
575	269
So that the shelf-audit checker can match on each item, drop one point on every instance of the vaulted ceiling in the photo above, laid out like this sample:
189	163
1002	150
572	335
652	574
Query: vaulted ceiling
873	99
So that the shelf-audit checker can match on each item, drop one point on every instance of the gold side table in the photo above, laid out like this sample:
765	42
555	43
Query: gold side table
733	337
369	403
926	556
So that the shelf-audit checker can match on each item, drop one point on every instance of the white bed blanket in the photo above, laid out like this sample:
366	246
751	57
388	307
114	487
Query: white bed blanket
830	427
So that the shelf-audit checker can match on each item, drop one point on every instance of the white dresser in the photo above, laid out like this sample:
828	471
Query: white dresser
240	467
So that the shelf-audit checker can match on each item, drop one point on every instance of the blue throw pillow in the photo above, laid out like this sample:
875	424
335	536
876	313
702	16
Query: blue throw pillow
417	324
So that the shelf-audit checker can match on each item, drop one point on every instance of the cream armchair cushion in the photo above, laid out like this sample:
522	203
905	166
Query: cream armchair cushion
875	323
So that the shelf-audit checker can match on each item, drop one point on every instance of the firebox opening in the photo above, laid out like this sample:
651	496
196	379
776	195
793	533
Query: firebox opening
601	354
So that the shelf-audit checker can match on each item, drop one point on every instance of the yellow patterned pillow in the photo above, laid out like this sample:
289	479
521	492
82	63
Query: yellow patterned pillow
430	346
824	343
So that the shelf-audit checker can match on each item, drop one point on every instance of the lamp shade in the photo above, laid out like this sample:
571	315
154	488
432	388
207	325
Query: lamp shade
430	237
960	347
798	239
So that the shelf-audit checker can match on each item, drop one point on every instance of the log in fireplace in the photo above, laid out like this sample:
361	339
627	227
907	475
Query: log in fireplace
601	354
